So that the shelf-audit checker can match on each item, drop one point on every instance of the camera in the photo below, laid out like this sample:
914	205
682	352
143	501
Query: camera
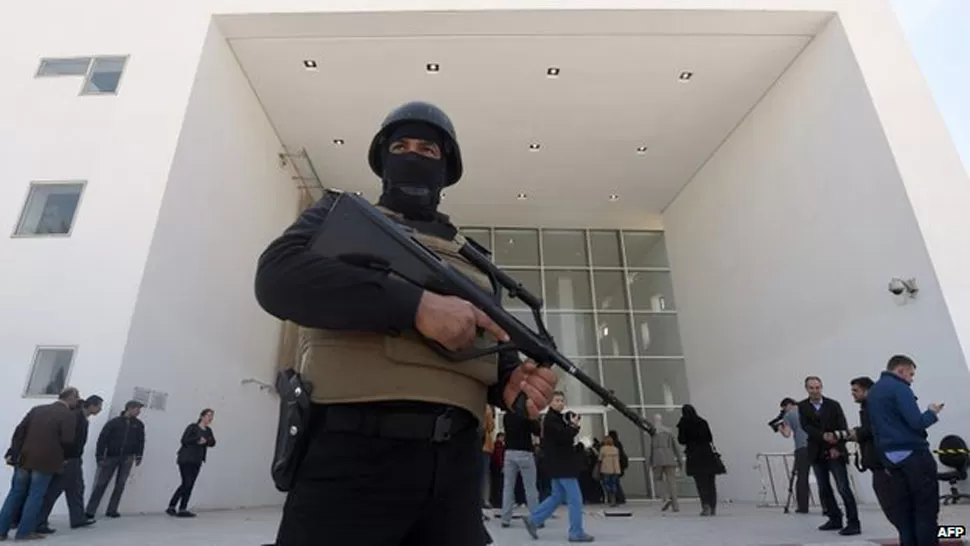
776	423
569	416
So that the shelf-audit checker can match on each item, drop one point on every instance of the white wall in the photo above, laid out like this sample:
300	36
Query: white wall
197	330
781	248
80	290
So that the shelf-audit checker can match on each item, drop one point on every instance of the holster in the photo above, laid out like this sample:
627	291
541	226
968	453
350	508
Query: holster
293	431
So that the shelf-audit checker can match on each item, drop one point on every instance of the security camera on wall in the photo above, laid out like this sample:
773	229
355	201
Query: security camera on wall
898	287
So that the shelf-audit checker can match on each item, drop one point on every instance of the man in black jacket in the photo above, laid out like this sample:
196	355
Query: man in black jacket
71	480
564	465
121	445
862	434
821	418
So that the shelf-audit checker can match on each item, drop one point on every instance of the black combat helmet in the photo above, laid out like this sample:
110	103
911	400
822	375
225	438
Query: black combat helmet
422	112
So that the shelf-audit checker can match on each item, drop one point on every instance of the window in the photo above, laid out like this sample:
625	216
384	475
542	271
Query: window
50	371
101	74
50	209
64	67
105	76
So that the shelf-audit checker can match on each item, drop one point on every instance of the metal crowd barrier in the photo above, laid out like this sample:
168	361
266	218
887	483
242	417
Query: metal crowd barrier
775	470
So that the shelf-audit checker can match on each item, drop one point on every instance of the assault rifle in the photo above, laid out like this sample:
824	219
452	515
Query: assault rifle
357	233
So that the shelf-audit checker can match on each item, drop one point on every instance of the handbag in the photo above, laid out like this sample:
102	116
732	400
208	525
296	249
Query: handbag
719	467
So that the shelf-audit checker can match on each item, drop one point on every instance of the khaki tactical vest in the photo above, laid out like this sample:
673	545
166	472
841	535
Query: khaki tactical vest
368	367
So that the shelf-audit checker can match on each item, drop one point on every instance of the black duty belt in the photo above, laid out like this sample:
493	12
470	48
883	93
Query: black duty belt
398	425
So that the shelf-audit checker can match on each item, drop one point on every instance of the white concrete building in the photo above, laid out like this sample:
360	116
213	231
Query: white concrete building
773	164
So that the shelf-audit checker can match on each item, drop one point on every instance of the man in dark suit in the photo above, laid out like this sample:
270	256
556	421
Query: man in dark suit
71	480
37	452
822	418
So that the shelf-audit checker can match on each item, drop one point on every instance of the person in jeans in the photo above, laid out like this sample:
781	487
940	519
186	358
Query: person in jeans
196	441
519	460
821	418
609	461
70	481
899	430
563	465
121	445
665	461
791	427
37	452
702	464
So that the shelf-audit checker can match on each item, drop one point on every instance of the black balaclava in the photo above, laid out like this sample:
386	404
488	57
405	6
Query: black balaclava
412	183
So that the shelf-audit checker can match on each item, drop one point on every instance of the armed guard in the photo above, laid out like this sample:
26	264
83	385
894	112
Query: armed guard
393	430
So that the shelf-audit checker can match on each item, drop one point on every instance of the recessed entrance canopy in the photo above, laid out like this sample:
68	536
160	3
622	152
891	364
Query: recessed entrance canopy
565	119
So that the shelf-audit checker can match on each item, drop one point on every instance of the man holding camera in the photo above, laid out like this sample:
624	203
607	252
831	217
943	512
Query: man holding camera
862	434
822	418
787	423
563	465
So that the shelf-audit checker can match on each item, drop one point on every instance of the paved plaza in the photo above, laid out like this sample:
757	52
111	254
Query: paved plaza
735	525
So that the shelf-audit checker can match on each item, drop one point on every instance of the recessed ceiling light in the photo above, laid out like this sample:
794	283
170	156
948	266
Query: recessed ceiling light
522	197
614	197
534	147
432	68
642	150
310	64
685	76
552	71
338	142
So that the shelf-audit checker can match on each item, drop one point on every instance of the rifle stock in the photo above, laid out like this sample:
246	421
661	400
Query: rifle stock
357	233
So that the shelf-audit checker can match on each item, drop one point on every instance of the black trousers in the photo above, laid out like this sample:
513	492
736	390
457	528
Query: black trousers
802	467
882	486
706	489
189	472
915	499
70	482
836	469
373	491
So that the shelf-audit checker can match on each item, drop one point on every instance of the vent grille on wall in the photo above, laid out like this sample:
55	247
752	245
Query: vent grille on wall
152	399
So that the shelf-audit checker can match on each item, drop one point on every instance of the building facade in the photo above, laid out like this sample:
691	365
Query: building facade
711	196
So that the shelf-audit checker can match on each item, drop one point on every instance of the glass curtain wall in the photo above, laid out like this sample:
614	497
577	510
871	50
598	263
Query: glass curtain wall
610	305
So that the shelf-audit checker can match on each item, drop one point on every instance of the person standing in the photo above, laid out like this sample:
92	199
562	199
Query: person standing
38	452
70	481
394	449
121	445
899	431
870	459
821	418
703	464
791	427
196	441
609	461
519	460
624	464
666	461
563	465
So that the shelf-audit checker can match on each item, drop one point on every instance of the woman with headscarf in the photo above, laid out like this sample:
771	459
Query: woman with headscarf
665	460
703	464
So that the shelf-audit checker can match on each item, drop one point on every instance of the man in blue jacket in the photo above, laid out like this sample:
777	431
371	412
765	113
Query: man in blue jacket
899	430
